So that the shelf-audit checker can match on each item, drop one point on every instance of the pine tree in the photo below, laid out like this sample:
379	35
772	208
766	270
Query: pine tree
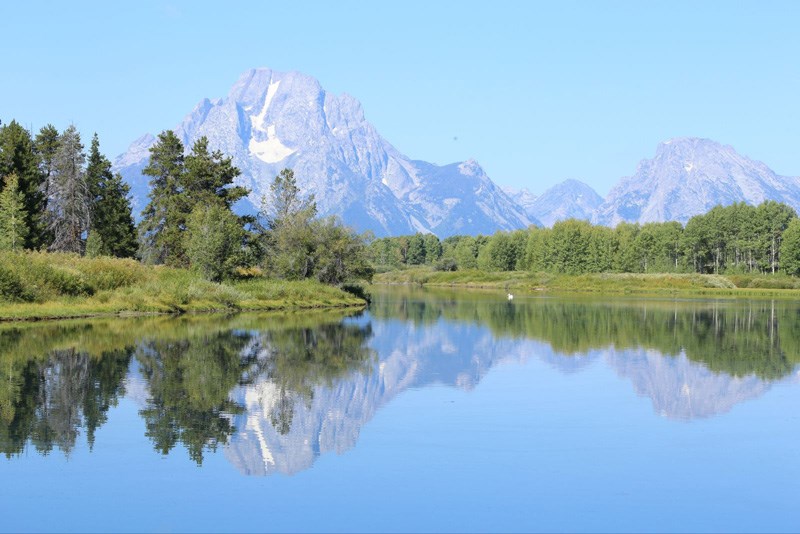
68	194
18	156
111	216
180	184
160	231
13	226
209	176
46	146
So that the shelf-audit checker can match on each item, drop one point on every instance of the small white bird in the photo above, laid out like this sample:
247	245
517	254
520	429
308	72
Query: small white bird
510	296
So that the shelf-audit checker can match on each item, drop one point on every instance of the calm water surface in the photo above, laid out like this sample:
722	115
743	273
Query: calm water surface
432	411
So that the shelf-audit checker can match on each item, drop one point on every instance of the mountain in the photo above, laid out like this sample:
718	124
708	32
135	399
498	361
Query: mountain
272	120
689	176
570	199
522	197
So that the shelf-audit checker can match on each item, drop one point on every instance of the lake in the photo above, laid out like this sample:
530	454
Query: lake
433	410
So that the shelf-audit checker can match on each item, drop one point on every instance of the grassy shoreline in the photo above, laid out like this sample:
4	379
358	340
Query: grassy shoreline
672	284
39	286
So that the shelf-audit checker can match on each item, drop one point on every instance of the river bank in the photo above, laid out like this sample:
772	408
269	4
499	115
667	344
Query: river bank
36	286
777	286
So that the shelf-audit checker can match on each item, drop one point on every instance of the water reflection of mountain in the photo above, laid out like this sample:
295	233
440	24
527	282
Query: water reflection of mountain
735	353
278	391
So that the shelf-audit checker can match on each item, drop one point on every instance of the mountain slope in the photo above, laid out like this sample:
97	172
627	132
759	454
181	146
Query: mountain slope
570	199
688	176
272	120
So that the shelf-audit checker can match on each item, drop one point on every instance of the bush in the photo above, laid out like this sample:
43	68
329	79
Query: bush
446	264
11	286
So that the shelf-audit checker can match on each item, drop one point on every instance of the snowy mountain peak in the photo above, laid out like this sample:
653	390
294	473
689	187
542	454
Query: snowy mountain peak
271	120
688	176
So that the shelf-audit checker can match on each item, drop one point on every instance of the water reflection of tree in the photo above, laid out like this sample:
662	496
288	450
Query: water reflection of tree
189	381
47	400
297	360
60	379
759	338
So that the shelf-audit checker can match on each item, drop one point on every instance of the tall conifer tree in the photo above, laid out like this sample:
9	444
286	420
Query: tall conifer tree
17	156
111	216
13	225
160	231
69	201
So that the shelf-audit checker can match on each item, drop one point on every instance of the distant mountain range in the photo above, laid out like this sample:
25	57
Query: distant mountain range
272	120
688	176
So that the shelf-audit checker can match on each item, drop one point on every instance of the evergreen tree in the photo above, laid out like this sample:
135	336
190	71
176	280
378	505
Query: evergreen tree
17	156
179	184
285	204
160	239
111	216
208	178
68	193
46	146
13	227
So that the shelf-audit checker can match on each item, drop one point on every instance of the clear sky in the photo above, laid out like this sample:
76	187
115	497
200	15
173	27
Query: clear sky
537	92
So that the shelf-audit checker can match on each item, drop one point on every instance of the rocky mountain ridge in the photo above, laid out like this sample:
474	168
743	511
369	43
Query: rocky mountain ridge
272	120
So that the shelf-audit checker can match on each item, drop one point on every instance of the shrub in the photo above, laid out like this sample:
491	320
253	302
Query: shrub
446	264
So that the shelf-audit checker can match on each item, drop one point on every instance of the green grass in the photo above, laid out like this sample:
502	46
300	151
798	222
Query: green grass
36	285
603	283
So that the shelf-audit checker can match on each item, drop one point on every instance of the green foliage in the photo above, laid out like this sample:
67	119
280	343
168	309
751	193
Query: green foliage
43	285
94	245
340	254
111	217
790	248
446	264
178	185
299	246
68	195
215	238
732	239
160	238
416	250
499	254
19	156
13	226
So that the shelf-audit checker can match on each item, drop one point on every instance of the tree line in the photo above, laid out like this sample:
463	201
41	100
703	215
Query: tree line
53	197
739	238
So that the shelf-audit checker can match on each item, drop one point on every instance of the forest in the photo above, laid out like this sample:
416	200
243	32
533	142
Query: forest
735	239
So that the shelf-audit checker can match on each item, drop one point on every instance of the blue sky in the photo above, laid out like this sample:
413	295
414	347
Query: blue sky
537	92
